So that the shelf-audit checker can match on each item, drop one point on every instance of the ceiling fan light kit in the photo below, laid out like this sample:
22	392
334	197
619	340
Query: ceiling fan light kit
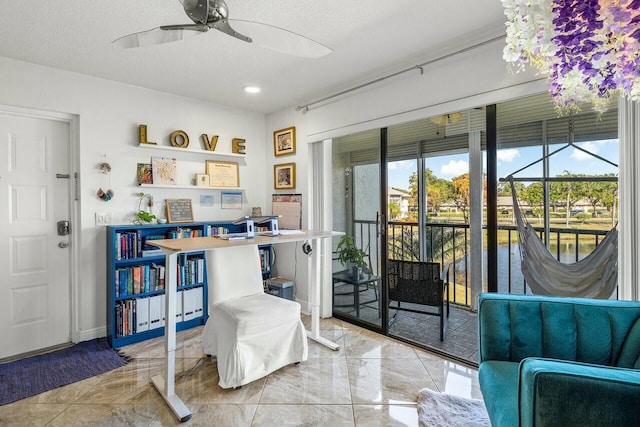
207	14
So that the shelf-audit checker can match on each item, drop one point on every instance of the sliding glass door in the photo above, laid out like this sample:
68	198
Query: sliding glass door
357	271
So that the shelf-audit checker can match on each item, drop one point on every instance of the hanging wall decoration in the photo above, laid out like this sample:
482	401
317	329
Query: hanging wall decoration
105	168
588	49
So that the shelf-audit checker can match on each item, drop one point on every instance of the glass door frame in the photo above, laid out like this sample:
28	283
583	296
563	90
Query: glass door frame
380	240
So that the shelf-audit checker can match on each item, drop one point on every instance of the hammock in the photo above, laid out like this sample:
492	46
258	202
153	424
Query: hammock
595	276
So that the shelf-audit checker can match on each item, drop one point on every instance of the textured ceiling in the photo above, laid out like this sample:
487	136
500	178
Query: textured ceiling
369	38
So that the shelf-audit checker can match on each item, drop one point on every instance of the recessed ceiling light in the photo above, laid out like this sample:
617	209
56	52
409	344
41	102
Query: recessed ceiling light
251	89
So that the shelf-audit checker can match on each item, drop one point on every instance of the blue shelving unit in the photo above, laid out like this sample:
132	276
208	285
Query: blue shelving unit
125	244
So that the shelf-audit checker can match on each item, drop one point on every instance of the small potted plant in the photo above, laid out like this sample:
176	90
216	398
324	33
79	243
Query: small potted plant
142	216
351	256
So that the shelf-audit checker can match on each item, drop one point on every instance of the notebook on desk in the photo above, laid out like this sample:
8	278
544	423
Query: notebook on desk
290	232
232	236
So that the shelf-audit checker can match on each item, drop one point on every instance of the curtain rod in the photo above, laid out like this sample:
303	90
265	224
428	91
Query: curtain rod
304	108
562	179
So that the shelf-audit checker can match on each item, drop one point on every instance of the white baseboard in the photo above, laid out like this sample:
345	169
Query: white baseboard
90	334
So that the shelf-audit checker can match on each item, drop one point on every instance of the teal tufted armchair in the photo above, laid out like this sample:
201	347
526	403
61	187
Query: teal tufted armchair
549	361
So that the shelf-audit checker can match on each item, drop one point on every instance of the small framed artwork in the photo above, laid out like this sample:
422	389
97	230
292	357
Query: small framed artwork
284	141
284	176
163	170
144	173
231	201
206	200
202	180
223	174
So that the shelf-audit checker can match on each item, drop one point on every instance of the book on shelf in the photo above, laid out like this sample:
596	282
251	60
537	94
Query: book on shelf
211	230
128	245
183	233
136	279
129	282
146	246
152	252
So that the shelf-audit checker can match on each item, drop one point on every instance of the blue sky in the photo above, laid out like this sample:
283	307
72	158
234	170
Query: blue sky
510	160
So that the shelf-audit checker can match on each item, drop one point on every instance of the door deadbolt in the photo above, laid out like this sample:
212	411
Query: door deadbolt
64	228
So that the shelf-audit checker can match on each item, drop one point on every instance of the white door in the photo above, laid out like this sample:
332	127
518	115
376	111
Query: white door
34	261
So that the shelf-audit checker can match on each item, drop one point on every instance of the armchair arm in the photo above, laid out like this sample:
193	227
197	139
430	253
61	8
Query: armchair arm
554	392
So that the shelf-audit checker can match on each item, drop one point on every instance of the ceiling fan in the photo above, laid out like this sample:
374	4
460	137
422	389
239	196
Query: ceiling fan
207	14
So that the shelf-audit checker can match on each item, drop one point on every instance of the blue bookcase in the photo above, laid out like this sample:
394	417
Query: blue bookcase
135	279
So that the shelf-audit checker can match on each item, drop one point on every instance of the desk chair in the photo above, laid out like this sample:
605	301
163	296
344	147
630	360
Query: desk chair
419	283
251	333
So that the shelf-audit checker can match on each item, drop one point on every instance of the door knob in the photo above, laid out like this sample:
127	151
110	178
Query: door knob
63	244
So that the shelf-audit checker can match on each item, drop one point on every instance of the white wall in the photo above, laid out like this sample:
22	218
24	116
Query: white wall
285	254
109	114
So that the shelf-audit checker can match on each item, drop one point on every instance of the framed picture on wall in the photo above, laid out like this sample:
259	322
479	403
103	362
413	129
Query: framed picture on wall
223	174
284	141
284	176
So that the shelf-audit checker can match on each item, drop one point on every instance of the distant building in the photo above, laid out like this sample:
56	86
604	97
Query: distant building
401	198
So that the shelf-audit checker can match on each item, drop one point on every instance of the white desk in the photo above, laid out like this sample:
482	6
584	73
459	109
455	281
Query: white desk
173	247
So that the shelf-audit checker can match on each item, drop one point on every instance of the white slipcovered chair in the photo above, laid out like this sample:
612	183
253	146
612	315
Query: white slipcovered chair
251	333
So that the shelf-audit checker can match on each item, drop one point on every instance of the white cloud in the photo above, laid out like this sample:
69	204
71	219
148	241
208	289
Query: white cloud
593	147
402	165
454	168
507	155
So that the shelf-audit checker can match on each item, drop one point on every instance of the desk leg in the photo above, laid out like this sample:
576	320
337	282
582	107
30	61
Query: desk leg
314	298
165	386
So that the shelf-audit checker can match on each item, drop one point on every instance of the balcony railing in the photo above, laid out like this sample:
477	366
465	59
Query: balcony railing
448	243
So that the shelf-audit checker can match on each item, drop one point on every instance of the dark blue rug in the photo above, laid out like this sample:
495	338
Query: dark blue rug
34	375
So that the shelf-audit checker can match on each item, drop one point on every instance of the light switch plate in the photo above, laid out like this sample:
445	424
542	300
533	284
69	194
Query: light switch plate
104	218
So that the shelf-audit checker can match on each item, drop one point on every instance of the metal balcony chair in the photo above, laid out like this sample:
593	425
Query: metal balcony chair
418	283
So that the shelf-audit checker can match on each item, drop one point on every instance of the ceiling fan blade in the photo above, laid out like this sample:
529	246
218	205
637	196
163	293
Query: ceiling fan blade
159	35
279	39
223	25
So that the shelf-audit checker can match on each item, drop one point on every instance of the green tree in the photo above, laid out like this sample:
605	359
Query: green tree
596	192
610	200
413	197
394	210
439	191
567	192
461	194
533	194
504	188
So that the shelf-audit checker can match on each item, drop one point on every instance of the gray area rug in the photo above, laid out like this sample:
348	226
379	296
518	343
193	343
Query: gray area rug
37	374
446	410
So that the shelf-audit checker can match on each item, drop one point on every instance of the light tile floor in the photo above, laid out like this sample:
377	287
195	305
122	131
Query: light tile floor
371	381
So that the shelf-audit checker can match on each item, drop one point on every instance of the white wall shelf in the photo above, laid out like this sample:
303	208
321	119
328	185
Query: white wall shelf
190	187
192	151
